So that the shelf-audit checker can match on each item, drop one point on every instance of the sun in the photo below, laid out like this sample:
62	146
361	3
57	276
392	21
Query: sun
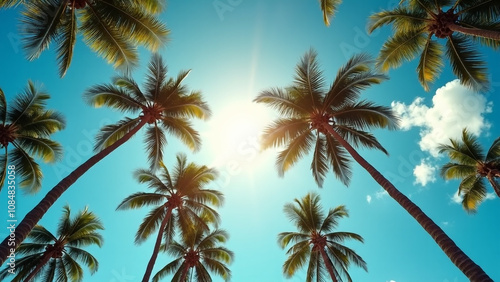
235	130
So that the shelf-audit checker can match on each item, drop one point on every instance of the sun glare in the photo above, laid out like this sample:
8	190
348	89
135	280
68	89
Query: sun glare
234	132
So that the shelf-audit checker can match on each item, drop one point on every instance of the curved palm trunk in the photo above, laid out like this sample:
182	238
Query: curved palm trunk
32	218
152	260
491	34
473	271
328	264
45	258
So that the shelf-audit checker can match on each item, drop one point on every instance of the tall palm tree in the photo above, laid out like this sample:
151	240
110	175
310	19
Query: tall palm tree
332	120
165	105
27	127
198	253
317	241
112	29
419	24
183	193
59	258
469	163
329	7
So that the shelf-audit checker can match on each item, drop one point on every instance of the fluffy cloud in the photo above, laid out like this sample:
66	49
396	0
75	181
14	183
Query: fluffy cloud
425	173
454	107
368	198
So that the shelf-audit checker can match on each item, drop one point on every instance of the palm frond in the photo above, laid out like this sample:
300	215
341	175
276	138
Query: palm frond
109	134
27	169
46	149
294	150
183	129
150	223
41	24
319	165
31	101
154	142
494	151
402	18
155	78
366	115
283	131
11	3
309	79
297	259
147	176
331	220
42	124
282	101
284	238
3	107
466	62
105	39
81	255
73	269
430	64
66	40
456	170
168	269
473	190
360	138
141	199
339	160
190	105
329	7
113	97
127	83
400	47
151	6
217	267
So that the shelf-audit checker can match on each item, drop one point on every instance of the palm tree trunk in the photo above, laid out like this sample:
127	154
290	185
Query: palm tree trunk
152	260
473	271
45	258
32	218
491	34
328	264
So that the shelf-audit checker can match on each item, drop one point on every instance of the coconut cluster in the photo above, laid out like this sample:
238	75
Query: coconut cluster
439	26
77	4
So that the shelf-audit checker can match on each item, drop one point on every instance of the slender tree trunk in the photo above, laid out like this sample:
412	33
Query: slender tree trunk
328	264
32	218
45	258
491	34
473	271
152	260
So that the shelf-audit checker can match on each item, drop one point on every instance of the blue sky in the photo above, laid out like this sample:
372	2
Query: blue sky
234	54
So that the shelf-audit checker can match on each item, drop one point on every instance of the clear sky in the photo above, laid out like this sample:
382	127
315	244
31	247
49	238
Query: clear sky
235	54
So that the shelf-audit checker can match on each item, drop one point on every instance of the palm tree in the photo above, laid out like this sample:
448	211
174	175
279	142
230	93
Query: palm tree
417	22
165	105
317	241
27	126
198	253
470	164
329	7
59	258
332	120
112	29
182	192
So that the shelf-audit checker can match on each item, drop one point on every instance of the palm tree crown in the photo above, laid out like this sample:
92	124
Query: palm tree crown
182	192
112	29
317	242
27	126
419	24
306	108
329	7
469	163
199	253
165	104
58	258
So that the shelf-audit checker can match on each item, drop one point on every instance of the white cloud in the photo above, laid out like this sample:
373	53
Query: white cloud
454	107
381	193
490	196
425	173
445	223
368	198
457	199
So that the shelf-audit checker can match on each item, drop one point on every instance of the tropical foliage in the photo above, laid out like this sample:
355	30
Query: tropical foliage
112	29
316	243
59	258
178	199
419	25
332	120
196	255
26	127
470	164
329	8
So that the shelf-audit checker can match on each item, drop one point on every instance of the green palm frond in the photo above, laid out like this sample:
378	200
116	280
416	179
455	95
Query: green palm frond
3	107
154	142
28	103
140	199
297	259
296	149
147	176
284	238
183	129
81	255
430	64
360	138
109	134
309	79
42	20
74	271
403	19
155	78
366	115
339	160
216	267
131	87
400	47
484	25
282	101
11	3
151	6
66	40
105	38
42	124
143	28
479	10
190	105
466	62
28	170
494	151
329	7
150	223
46	149
455	170
168	269
282	131
473	190
331	220
466	151
319	165
112	96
